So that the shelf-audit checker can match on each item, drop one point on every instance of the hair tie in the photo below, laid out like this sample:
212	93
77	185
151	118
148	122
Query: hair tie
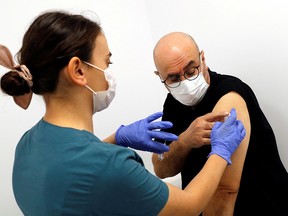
24	73
6	60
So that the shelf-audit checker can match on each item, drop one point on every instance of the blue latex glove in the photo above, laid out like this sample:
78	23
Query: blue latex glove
226	137
140	135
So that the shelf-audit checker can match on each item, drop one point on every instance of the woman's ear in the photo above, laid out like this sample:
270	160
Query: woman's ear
76	71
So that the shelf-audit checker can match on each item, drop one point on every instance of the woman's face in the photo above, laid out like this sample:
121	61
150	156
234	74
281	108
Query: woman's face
101	58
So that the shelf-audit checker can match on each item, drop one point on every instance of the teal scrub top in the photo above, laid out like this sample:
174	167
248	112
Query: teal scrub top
64	171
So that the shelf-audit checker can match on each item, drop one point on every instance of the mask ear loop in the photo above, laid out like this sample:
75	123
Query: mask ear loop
94	66
6	60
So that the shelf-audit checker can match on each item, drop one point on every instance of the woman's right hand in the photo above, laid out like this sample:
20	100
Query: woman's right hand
141	134
227	136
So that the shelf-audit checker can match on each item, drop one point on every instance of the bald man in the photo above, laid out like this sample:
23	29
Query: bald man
256	183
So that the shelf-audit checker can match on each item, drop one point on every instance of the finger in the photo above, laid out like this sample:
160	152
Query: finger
217	116
241	128
208	126
239	125
159	125
206	133
231	119
154	116
206	141
243	132
217	125
157	147
163	135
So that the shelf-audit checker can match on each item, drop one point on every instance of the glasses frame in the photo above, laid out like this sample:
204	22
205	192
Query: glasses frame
178	77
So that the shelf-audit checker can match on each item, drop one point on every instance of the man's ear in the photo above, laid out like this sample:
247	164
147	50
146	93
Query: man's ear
202	56
156	72
76	72
203	60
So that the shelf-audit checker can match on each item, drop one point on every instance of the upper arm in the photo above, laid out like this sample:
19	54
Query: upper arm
196	195
232	175
126	187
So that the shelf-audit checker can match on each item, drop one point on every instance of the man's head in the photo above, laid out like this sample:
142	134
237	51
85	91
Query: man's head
175	51
181	66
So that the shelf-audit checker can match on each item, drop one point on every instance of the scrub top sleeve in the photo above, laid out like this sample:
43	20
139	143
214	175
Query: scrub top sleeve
130	189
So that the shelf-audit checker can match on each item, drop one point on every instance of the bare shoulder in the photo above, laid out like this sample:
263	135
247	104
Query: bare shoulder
233	100
232	175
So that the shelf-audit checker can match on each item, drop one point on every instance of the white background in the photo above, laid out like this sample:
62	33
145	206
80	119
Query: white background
244	38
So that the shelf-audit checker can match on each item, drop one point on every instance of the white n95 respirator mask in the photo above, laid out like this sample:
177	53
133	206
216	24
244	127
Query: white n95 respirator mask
190	93
102	99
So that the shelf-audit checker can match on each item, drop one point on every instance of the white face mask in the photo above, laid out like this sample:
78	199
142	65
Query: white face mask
190	93
102	99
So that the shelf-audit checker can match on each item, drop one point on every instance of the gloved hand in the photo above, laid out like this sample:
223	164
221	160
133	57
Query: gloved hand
226	137
140	135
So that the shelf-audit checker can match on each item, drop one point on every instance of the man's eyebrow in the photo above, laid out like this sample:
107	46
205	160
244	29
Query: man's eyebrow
190	63
109	54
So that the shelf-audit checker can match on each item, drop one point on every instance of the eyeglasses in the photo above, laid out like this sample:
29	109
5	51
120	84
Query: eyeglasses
173	81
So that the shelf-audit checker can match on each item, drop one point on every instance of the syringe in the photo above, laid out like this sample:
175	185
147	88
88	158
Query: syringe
226	117
161	156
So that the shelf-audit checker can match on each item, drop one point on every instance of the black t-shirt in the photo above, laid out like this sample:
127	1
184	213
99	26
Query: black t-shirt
264	182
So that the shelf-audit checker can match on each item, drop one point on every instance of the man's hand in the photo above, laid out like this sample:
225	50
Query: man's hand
198	133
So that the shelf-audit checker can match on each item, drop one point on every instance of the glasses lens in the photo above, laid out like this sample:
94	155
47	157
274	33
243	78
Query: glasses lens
192	73
173	85
173	81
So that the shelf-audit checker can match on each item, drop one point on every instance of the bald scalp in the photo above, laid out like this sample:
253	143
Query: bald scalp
172	47
174	41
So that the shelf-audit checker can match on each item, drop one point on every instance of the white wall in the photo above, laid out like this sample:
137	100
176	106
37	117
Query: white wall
242	38
247	39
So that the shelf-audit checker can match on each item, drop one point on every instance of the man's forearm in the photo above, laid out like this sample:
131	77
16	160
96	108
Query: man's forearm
173	160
